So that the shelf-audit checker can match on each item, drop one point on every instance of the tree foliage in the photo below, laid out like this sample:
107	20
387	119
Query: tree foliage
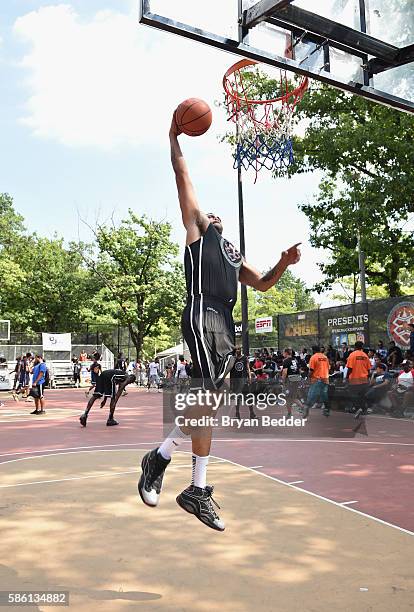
365	151
142	282
288	295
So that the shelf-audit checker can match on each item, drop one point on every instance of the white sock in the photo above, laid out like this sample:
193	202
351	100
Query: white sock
170	444
199	471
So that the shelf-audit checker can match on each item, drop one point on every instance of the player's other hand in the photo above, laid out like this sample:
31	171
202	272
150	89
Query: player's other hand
292	255
174	129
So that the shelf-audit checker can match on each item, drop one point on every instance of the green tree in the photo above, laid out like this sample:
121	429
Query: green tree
141	281
47	286
365	151
288	295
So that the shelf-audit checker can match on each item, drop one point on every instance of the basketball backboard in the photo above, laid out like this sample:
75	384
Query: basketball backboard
361	46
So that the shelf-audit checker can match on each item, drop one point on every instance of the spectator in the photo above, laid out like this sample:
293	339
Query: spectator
395	355
411	328
258	362
332	354
269	367
319	377
379	385
140	373
154	375
290	377
382	351
240	376
121	363
76	368
23	377
402	397
83	356
181	373
371	357
38	384
344	351
359	367
260	375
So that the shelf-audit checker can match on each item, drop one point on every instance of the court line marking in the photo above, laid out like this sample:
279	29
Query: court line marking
255	467
244	467
135	444
295	482
355	501
95	450
47	450
316	440
106	475
330	501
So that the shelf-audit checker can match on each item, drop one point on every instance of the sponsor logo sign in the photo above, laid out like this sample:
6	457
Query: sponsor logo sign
397	324
264	325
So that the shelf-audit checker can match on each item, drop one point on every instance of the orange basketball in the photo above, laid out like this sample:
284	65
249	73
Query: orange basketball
193	117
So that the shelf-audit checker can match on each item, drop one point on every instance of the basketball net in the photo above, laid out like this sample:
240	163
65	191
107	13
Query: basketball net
264	128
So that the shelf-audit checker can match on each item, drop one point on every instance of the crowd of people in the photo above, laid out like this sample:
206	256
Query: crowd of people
388	374
31	376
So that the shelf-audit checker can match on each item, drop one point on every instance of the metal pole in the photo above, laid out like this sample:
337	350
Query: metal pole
244	299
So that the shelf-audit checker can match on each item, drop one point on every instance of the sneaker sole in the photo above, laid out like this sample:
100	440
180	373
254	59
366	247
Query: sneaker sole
190	511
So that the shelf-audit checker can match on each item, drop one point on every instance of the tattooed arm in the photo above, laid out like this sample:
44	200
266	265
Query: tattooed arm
251	277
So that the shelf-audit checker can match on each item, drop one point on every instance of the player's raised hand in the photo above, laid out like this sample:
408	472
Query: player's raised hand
292	255
174	129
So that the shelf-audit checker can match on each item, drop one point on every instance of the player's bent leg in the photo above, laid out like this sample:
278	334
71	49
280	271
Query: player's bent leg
154	464
84	417
153	467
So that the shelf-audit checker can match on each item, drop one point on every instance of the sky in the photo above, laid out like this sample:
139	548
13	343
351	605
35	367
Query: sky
87	96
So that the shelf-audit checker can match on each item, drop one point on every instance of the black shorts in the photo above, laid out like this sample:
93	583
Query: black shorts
208	330
37	391
238	385
106	387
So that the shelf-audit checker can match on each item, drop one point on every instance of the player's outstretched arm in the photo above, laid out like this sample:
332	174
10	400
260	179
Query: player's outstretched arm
195	221
262	282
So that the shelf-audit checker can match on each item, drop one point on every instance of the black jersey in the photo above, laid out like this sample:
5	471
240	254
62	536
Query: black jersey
240	368
291	365
212	265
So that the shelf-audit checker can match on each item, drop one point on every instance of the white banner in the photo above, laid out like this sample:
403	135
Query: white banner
57	342
264	325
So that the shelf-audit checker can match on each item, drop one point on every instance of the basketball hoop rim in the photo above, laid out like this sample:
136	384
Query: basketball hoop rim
296	93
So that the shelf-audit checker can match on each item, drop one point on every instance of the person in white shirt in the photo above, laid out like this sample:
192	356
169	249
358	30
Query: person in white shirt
181	373
402	397
154	375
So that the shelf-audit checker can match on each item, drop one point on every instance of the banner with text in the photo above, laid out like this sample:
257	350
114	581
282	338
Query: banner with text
264	325
57	342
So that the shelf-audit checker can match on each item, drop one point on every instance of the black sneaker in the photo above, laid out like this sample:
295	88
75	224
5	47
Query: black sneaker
111	422
153	467
326	412
82	420
305	413
200	502
35	412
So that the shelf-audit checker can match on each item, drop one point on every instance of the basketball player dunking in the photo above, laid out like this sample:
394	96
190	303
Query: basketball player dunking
213	268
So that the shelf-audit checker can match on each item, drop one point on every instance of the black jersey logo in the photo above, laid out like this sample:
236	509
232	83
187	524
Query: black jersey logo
239	366
231	253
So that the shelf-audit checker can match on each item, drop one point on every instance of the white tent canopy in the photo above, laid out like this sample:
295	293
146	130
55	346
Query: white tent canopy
172	352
